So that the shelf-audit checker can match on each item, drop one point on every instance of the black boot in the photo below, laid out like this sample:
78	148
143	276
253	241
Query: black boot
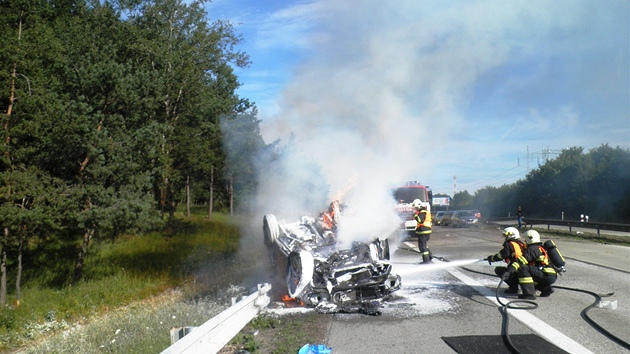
529	292
512	290
426	258
546	291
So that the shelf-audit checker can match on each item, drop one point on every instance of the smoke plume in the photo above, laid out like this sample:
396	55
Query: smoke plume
385	86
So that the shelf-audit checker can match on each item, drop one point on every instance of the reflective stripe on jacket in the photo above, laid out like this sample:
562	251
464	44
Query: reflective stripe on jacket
536	257
423	218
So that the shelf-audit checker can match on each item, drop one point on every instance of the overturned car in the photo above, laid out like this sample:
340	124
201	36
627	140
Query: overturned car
320	275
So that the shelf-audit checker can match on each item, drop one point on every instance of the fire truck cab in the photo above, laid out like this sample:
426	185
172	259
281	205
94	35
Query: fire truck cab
404	196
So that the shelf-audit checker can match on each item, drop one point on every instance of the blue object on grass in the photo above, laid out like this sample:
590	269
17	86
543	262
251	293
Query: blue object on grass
315	349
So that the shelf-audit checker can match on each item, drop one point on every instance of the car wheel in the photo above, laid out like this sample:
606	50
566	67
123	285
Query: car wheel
300	272
271	230
381	248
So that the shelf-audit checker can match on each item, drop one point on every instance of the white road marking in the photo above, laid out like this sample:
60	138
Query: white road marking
540	327
544	330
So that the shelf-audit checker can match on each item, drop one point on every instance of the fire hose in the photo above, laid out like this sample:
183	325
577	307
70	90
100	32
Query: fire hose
530	305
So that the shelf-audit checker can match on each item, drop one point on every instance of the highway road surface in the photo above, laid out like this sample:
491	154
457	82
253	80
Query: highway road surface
450	306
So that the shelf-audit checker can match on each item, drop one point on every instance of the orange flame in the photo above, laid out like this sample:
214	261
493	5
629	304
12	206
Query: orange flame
291	301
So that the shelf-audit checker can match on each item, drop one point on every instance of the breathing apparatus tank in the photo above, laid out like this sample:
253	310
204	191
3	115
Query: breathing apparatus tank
555	257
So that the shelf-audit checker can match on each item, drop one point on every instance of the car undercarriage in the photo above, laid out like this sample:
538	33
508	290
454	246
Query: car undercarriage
320	275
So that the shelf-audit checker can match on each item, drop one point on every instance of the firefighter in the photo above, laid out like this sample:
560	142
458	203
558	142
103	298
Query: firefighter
512	249
535	272
423	229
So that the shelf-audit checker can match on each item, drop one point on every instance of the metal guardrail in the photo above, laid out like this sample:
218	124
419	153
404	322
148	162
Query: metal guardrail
599	226
214	334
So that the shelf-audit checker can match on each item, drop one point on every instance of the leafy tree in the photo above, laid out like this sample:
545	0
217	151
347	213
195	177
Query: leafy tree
462	200
242	143
596	183
117	103
607	189
191	60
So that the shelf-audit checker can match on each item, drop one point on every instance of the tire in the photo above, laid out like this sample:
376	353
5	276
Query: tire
385	249
271	230
300	271
379	249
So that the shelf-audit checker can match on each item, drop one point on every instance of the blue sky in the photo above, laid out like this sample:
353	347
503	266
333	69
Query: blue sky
377	91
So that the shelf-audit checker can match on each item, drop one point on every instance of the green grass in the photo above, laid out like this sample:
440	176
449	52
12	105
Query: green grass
272	334
123	273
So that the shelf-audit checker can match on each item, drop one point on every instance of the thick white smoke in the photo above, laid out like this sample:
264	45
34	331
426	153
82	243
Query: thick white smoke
384	85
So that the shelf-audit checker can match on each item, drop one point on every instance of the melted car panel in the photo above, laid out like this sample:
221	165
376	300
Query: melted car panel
320	275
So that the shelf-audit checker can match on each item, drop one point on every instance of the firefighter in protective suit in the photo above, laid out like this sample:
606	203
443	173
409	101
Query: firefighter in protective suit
512	249
423	229
535	272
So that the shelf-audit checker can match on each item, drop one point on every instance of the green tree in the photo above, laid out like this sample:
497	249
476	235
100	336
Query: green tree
596	183
607	189
108	109
462	200
191	59
73	121
243	143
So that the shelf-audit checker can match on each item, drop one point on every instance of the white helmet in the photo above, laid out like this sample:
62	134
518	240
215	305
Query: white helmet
511	233
532	236
417	204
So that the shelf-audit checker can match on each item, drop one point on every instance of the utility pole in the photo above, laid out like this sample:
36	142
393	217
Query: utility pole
454	185
545	154
527	158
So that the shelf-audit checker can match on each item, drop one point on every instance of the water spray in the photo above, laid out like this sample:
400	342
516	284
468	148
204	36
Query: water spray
434	266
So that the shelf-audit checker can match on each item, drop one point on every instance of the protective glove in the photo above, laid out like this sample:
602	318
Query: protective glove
489	259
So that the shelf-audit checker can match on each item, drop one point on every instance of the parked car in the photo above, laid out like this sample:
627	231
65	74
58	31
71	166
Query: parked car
438	217
463	218
446	218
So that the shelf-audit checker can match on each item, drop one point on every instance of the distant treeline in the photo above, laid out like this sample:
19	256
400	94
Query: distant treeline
595	183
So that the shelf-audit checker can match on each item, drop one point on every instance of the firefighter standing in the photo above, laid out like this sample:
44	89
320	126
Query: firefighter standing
535	272
512	249
423	229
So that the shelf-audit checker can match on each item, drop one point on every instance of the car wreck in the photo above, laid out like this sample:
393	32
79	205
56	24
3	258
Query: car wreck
319	274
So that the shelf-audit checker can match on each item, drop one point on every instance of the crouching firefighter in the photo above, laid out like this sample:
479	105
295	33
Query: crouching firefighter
534	269
512	249
423	229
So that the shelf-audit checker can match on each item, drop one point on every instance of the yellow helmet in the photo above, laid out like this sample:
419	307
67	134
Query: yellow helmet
511	233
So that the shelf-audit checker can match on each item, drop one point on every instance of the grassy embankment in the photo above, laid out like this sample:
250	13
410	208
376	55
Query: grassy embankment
133	275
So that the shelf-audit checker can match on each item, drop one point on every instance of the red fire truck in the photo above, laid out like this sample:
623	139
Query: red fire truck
405	195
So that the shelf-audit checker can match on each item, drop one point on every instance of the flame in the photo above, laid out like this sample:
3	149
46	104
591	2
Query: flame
345	189
291	301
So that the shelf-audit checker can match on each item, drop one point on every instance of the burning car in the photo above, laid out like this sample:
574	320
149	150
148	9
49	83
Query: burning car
320	275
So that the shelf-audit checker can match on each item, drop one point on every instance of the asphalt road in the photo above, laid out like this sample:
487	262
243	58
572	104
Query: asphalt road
456	297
